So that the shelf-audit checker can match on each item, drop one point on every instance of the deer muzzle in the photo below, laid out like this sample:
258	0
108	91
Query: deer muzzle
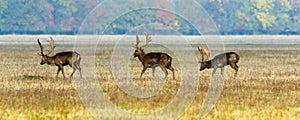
135	55
202	68
42	63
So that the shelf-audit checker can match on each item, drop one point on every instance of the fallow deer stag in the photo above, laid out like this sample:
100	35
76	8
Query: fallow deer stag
204	52
60	59
153	59
220	61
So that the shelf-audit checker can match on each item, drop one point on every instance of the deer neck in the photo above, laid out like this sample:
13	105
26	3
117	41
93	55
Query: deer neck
141	57
209	65
50	60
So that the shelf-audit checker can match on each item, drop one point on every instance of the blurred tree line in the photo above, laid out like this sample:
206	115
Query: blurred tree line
255	16
230	17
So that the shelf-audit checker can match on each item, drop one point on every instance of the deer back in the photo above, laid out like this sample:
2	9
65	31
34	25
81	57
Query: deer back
66	58
157	58
224	59
221	60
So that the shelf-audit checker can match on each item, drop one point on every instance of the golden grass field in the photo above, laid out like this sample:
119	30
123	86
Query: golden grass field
267	86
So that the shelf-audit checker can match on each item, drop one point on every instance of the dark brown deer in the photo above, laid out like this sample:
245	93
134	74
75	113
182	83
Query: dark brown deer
61	59
153	59
220	61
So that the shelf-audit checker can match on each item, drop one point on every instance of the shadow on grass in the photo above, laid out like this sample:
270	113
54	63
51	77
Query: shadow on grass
32	77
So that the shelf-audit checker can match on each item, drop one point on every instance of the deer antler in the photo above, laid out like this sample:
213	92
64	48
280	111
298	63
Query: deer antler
137	41
41	46
52	45
148	39
200	51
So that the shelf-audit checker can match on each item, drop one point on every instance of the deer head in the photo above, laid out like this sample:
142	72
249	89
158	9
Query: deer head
204	65
139	50
45	56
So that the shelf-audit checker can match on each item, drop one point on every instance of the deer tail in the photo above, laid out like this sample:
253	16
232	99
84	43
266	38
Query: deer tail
237	58
78	58
169	62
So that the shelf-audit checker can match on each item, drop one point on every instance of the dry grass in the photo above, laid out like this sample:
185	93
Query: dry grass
267	87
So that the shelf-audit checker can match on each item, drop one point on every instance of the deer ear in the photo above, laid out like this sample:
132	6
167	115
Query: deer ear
201	62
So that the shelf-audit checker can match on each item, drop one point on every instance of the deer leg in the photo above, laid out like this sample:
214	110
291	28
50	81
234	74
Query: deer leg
153	72
163	68
236	70
74	69
144	69
222	71
173	71
62	70
215	69
77	66
235	67
57	72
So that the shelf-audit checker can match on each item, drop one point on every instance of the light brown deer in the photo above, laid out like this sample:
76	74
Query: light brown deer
61	59
153	59
220	61
204	52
